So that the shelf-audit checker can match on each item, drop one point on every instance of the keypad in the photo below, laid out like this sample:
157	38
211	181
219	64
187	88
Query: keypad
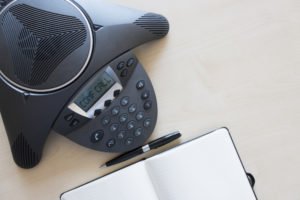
124	120
127	120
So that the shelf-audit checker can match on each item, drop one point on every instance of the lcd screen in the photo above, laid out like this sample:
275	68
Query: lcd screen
94	90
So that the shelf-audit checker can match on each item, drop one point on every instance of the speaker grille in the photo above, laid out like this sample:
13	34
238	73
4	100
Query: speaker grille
24	156
156	24
44	40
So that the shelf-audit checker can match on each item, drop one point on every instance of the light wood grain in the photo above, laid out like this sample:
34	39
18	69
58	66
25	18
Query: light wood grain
225	63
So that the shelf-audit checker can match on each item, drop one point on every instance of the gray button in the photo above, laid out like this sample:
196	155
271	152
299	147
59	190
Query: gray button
69	117
105	120
138	132
97	112
74	123
114	127
148	105
147	123
145	95
115	110
121	135
124	101
131	125
132	108
123	118
139	116
97	136
107	103
121	65
130	62
129	141
140	85
110	143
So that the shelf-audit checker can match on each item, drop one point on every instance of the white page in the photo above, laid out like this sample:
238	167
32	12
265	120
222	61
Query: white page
131	183
207	168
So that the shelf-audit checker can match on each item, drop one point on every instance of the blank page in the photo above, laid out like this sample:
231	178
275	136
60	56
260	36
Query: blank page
131	183
207	168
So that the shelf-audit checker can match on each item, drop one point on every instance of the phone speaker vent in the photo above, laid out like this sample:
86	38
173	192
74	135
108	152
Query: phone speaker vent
24	156
40	40
156	24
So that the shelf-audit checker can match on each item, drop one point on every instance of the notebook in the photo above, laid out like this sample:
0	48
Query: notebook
206	168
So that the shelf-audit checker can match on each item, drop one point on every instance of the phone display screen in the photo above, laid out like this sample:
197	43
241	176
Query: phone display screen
94	90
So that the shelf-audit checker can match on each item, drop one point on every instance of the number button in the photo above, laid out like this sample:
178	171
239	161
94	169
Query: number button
97	136
115	111
114	127
145	95
139	116
124	101
132	108
131	125
121	135
147	123
123	118
148	105
138	132
140	85
129	141
110	143
105	120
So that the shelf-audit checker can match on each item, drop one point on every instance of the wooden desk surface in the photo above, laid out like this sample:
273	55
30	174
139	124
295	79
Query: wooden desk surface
225	63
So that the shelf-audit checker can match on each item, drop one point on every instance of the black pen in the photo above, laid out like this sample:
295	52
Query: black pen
141	150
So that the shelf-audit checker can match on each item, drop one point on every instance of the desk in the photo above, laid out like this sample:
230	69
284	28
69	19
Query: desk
225	63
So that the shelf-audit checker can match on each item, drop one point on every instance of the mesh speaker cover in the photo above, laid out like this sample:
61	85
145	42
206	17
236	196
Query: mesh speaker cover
44	45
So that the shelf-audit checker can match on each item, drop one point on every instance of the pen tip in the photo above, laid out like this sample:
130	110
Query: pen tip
103	166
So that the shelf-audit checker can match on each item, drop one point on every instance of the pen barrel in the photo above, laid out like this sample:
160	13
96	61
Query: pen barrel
124	157
164	140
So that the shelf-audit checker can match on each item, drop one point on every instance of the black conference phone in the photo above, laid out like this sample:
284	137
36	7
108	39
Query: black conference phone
66	65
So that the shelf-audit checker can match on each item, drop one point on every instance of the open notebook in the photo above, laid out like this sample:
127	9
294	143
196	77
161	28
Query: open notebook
206	168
